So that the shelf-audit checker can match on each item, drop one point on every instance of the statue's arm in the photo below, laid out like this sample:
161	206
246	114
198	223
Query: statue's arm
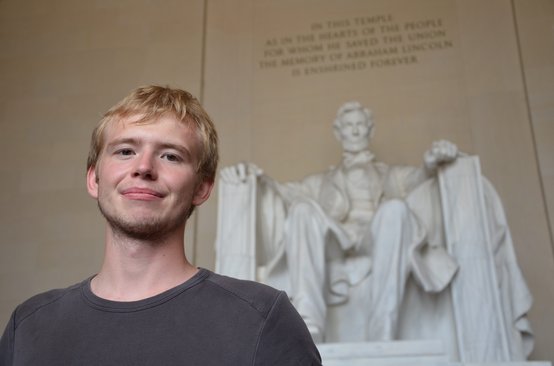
240	173
401	180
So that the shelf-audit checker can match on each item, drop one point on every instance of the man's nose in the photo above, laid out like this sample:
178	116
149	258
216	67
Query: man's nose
145	167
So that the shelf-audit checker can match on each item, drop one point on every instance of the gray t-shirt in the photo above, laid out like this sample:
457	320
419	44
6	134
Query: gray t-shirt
208	320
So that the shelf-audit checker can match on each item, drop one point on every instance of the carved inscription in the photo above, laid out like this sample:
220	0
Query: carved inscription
357	43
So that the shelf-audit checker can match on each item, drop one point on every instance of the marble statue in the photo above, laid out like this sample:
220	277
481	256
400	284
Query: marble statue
359	238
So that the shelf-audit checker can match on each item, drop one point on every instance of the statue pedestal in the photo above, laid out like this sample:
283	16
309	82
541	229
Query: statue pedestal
413	353
383	353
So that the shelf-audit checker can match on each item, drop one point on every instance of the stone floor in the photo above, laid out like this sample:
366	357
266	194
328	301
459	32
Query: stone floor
414	353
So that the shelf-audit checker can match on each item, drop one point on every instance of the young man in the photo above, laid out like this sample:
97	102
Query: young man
153	158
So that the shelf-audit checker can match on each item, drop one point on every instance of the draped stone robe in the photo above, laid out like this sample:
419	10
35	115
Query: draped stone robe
258	222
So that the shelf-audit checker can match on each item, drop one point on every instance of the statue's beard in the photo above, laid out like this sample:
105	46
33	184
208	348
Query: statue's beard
355	146
151	229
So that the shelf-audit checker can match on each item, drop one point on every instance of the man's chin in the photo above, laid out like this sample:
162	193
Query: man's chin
140	230
143	228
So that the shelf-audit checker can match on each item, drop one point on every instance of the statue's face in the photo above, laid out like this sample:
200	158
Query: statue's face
354	131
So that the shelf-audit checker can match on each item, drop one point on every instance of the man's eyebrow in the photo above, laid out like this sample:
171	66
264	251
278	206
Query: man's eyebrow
182	149
124	140
134	141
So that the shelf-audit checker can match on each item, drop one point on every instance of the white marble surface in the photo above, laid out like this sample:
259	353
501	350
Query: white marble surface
384	353
416	353
481	331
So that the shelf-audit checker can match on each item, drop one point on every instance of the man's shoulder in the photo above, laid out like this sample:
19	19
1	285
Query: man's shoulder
43	301
256	295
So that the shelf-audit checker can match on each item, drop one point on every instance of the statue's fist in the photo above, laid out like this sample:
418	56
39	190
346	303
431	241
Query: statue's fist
237	174
441	152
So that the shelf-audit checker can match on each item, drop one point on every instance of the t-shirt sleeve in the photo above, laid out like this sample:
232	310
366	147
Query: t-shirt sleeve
284	339
6	343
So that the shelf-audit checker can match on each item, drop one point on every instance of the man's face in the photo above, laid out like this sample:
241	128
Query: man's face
353	131
145	180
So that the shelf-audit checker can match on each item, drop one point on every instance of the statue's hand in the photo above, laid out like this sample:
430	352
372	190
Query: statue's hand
238	174
441	152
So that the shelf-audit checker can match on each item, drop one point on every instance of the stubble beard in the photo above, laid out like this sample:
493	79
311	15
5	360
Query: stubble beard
145	229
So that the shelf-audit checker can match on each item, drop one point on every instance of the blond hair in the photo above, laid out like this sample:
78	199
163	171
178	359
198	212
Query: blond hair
152	102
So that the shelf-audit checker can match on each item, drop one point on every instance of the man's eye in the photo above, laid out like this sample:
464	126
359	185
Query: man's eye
125	152
171	157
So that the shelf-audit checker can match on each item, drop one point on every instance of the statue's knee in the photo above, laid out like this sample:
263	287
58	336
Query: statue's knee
394	208
303	209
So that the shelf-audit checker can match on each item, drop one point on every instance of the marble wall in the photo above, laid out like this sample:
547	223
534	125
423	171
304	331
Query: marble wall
272	74
534	24
428	69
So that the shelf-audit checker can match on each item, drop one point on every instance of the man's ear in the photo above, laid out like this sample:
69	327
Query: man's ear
202	192
92	182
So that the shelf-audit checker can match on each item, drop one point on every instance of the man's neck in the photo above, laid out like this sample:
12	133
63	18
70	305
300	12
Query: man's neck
137	269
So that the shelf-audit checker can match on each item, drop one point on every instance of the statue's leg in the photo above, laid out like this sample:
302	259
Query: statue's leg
391	234
305	230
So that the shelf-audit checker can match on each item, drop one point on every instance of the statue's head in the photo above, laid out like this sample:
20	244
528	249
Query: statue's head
353	126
